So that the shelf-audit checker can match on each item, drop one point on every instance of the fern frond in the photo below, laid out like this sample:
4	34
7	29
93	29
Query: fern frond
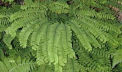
81	35
117	57
59	7
4	17
9	65
55	45
100	15
95	61
72	66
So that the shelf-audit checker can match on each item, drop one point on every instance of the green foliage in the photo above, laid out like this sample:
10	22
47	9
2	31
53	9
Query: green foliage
8	0
53	36
117	57
4	16
9	65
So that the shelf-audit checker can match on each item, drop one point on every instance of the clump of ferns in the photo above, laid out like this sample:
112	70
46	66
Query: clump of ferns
48	28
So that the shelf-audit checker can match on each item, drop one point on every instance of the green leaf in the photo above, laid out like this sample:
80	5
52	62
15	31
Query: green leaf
117	57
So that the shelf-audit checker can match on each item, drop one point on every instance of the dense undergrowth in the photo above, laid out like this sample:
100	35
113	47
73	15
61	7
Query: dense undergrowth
60	36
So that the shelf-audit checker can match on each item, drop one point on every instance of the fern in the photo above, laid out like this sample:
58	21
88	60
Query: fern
58	36
4	16
94	61
117	58
12	66
72	66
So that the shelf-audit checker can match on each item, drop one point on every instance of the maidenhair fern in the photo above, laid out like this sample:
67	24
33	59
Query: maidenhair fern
60	36
12	66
